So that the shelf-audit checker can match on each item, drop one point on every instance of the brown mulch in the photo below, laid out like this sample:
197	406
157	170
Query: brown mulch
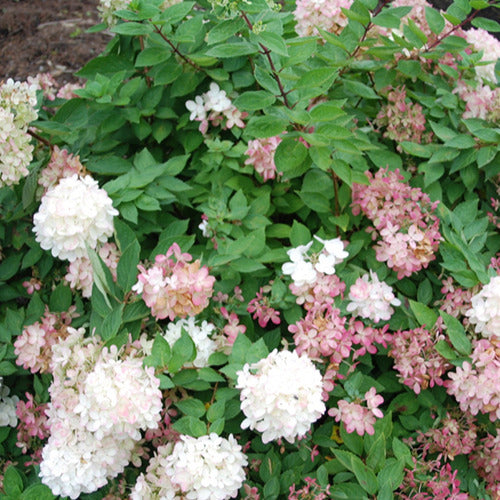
38	36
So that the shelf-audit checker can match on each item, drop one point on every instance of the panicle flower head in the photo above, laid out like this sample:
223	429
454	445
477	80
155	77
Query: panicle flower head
453	436
322	291
325	14
233	328
475	383
484	42
215	107
356	417
175	288
260	154
403	217
418	363
322	334
74	214
481	101
261	308
32	427
456	300
372	298
403	119
62	164
207	467
275	401
201	336
485	309
486	460
100	399
33	347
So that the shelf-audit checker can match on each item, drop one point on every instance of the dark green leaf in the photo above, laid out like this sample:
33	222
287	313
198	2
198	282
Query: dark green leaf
456	333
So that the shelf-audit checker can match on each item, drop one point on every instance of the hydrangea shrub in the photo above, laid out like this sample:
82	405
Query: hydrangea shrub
256	255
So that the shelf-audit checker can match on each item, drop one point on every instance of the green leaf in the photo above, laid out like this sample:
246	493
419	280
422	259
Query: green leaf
192	407
300	234
272	41
37	492
486	24
111	323
209	375
222	31
434	19
266	126
7	368
290	158
443	348
160	353
132	28
456	333
254	100
176	13
183	351
12	482
461	141
365	475
320	77
152	56
216	411
127	266
360	89
425	315
190	426
60	299
391	476
227	50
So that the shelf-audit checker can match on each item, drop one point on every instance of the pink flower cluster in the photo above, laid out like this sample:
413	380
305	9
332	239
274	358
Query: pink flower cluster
456	300
33	347
311	490
322	334
325	14
453	436
80	275
233	327
430	480
323	291
403	217
32	427
51	89
403	119
475	384
261	156
175	288
215	107
62	164
486	461
481	101
416	360
261	308
366	337
356	417
372	298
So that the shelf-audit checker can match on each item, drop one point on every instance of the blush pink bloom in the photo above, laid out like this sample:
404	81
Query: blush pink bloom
174	287
261	156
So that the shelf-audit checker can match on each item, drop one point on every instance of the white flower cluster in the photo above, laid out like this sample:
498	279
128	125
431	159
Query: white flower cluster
17	102
303	268
485	311
99	402
208	467
482	41
214	106
8	406
73	214
281	395
200	335
372	298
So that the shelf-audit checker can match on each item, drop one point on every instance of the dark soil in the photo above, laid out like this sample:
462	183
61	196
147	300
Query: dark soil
38	36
